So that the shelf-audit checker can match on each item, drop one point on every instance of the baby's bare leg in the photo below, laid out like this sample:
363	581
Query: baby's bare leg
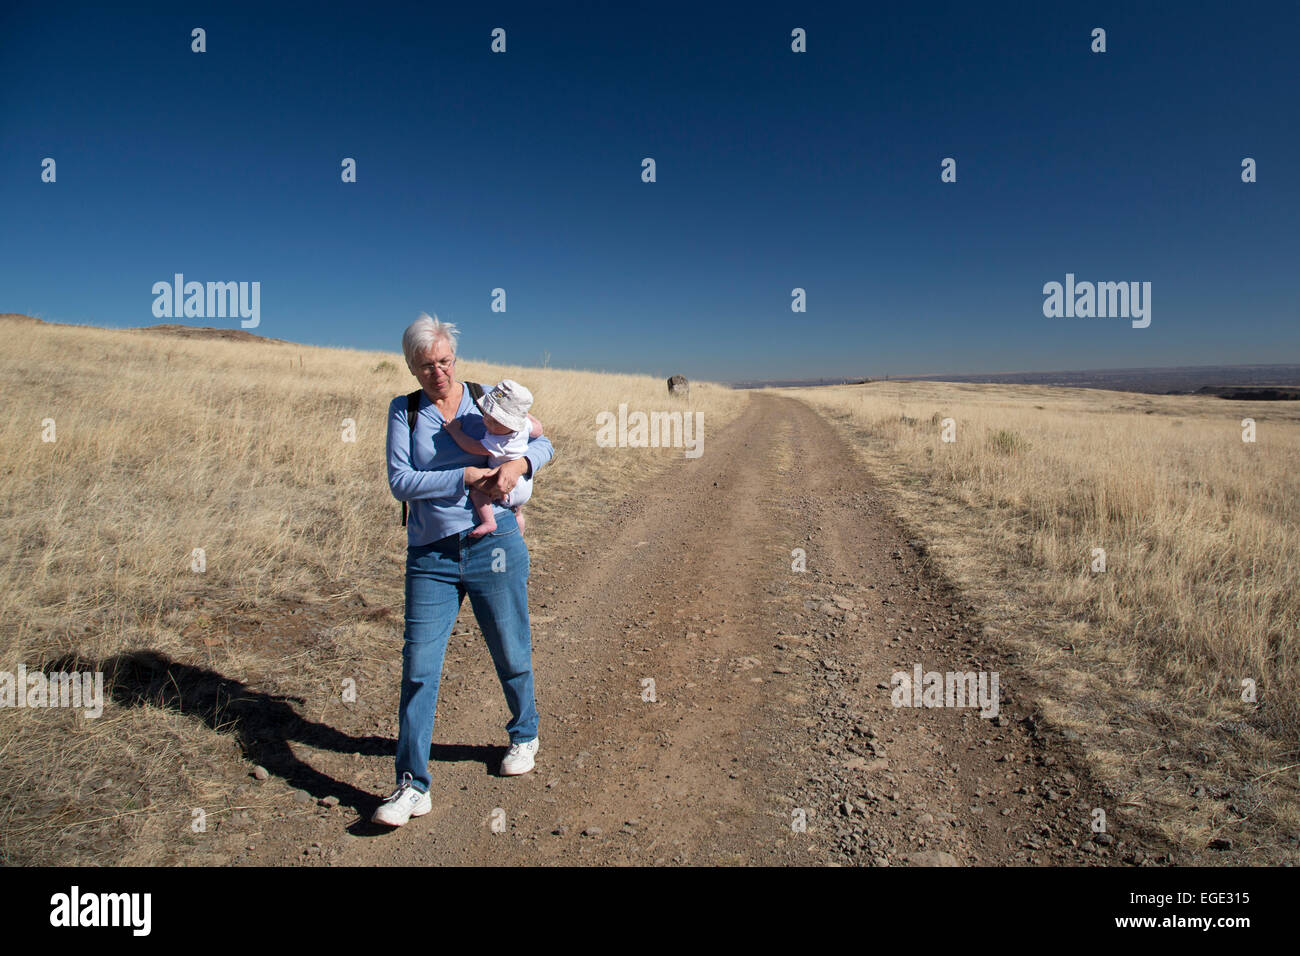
519	516
483	510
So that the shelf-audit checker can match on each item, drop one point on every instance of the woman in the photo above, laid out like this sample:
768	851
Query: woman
443	564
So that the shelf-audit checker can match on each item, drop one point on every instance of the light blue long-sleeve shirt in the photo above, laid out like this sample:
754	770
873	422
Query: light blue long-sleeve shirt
433	484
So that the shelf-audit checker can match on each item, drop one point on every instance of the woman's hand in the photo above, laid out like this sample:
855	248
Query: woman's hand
476	476
502	479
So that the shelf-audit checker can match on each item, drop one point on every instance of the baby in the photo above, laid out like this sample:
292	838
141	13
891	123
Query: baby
509	426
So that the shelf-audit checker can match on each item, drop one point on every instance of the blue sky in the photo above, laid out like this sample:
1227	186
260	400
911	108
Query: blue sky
775	170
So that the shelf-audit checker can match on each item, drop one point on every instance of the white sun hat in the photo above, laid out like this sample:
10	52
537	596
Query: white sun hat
508	402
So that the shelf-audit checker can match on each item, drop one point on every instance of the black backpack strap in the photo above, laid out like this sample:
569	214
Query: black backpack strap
475	391
412	412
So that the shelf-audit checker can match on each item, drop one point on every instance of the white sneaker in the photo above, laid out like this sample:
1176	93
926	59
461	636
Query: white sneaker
519	758
404	802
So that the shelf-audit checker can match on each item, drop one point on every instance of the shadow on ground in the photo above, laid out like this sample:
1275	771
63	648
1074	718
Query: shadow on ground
262	724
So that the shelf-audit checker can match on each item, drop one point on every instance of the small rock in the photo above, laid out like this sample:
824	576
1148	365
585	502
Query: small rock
592	832
259	773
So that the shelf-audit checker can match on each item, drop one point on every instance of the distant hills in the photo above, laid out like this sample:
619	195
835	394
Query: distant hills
172	328
801	383
193	332
1179	380
1254	382
1253	393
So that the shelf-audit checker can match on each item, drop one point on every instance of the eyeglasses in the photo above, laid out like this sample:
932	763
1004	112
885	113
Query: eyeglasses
445	365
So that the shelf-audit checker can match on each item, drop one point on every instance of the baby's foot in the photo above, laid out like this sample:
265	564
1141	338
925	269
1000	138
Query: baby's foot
487	527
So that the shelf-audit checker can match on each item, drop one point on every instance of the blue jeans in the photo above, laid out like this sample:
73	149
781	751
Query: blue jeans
493	571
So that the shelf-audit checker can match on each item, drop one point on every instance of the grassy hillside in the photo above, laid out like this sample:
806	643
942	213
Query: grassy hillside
166	444
1143	664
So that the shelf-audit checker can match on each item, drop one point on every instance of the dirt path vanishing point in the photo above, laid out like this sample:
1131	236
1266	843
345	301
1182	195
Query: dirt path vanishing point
772	697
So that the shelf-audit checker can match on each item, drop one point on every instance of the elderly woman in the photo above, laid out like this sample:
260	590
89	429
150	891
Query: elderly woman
428	469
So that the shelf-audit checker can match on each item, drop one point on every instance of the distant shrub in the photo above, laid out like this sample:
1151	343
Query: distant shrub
385	366
936	418
911	422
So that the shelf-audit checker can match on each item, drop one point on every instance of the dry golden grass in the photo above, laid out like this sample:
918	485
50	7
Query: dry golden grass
168	444
1143	664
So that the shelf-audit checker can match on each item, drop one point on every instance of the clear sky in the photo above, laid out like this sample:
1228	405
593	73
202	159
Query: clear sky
775	170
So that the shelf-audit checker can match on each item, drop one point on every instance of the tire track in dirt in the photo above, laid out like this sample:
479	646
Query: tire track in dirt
771	693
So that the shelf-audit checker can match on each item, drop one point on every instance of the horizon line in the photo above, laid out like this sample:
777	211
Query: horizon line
732	382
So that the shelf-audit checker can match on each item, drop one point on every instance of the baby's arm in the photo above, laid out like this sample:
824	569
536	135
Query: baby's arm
464	441
535	427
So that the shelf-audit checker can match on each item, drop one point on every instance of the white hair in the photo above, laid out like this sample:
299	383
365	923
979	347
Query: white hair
422	333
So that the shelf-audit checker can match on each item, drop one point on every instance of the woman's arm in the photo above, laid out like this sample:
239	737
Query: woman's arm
464	441
407	482
540	451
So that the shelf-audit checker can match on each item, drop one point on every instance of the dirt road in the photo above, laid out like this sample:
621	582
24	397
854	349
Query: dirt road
772	697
